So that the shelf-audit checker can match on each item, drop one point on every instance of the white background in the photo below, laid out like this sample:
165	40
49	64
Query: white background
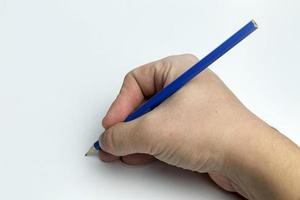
62	63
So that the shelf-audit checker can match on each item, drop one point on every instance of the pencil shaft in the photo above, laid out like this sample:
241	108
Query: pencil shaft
193	71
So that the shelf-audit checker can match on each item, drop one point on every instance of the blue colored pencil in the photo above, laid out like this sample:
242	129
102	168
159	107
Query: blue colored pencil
170	89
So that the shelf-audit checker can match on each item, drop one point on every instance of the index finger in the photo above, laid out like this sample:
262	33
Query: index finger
139	84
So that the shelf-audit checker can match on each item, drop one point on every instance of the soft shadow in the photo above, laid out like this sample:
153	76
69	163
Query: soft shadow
169	177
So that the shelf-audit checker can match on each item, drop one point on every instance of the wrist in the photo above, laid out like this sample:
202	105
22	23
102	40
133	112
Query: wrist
262	163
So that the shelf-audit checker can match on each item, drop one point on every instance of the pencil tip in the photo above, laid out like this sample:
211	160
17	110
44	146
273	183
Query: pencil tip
92	151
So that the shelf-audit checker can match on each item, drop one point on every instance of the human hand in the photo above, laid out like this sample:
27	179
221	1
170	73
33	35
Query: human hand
203	127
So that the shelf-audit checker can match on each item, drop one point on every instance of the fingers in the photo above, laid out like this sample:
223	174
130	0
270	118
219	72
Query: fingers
222	181
125	138
143	82
134	91
138	85
106	157
133	159
129	98
137	159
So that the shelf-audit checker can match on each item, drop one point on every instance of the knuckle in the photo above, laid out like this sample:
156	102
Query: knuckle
127	75
181	62
127	78
127	82
165	63
190	57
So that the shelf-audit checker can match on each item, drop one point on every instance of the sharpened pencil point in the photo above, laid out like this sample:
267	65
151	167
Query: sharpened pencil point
92	151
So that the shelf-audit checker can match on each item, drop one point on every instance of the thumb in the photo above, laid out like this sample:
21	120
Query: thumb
124	138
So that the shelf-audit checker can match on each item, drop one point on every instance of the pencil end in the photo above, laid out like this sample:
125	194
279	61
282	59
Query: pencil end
254	23
92	151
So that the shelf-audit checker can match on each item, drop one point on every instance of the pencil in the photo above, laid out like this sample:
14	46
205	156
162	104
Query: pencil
183	79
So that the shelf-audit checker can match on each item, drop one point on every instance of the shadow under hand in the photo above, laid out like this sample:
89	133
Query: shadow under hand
158	179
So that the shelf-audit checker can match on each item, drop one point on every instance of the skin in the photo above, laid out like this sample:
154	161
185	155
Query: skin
203	127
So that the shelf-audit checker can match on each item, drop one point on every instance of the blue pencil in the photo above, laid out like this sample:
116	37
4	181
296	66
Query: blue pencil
170	89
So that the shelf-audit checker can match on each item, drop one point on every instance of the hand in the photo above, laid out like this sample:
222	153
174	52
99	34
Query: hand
203	127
